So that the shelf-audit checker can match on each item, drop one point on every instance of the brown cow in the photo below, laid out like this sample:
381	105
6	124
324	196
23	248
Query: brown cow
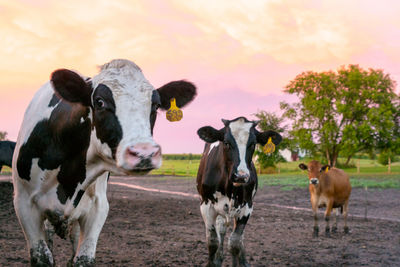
330	188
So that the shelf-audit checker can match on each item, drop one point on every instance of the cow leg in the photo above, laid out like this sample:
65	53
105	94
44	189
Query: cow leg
327	216
74	238
33	226
221	231
209	217
314	205
1	166
334	227
92	221
345	212
235	245
49	230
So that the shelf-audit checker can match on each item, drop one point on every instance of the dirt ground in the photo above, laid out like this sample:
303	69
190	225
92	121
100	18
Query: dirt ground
158	229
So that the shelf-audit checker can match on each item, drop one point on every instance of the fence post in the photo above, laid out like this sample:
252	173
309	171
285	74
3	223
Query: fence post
389	161
358	165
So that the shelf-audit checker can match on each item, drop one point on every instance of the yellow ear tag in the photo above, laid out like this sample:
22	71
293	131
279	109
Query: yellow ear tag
174	113
327	169
269	147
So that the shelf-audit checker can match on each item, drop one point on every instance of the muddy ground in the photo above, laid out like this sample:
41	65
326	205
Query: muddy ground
158	229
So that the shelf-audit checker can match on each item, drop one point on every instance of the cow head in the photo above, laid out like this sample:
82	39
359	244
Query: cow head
123	110
315	170
239	138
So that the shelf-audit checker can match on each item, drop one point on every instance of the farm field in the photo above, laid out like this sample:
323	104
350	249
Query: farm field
158	229
189	167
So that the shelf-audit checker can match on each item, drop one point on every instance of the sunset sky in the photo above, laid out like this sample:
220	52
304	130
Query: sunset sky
240	54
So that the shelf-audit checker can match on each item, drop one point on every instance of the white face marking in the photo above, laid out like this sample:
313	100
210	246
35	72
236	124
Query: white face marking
314	181
215	144
132	95
240	131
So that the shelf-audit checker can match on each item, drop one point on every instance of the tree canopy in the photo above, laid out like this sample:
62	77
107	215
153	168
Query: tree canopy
3	135
270	121
348	111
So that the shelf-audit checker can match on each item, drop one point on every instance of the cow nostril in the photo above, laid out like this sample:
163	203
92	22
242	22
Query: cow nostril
156	153
132	152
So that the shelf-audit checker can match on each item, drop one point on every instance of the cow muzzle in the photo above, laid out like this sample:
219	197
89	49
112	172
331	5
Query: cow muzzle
314	181
142	157
240	178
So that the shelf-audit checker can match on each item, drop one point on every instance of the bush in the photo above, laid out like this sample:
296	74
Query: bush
383	157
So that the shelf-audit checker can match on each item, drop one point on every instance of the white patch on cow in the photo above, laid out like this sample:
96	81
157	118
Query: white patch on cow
37	110
132	94
240	130
225	207
212	145
82	120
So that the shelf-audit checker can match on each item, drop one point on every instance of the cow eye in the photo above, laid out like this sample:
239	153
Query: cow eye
100	103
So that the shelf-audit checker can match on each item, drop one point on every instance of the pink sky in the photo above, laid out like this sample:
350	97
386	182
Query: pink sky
240	54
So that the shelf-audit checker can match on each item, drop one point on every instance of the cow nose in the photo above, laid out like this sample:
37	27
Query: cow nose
314	181
143	156
241	177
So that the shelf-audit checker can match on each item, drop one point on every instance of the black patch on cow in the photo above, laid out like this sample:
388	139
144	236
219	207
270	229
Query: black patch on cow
108	128
59	142
6	153
54	100
78	197
183	92
155	104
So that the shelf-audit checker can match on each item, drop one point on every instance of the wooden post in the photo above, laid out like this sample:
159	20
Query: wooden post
279	168
389	161
358	165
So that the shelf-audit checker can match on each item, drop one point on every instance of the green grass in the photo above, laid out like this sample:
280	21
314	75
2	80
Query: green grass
372	174
290	181
178	167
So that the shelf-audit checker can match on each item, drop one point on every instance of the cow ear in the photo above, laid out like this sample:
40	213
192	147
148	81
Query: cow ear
210	135
303	166
183	92
71	86
324	168
262	138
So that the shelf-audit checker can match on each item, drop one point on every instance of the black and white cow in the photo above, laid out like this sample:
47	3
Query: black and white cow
227	183
6	153
75	131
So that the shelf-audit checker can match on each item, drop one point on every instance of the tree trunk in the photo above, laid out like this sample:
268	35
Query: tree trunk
348	160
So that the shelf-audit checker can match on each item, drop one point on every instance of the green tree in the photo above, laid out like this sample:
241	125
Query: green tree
270	121
346	112
3	135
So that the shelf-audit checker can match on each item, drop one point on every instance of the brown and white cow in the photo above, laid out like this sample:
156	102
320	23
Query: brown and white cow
227	183
330	188
75	131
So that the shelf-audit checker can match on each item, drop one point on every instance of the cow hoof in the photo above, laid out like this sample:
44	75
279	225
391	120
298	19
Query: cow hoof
346	230
84	261
334	229
41	255
327	232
